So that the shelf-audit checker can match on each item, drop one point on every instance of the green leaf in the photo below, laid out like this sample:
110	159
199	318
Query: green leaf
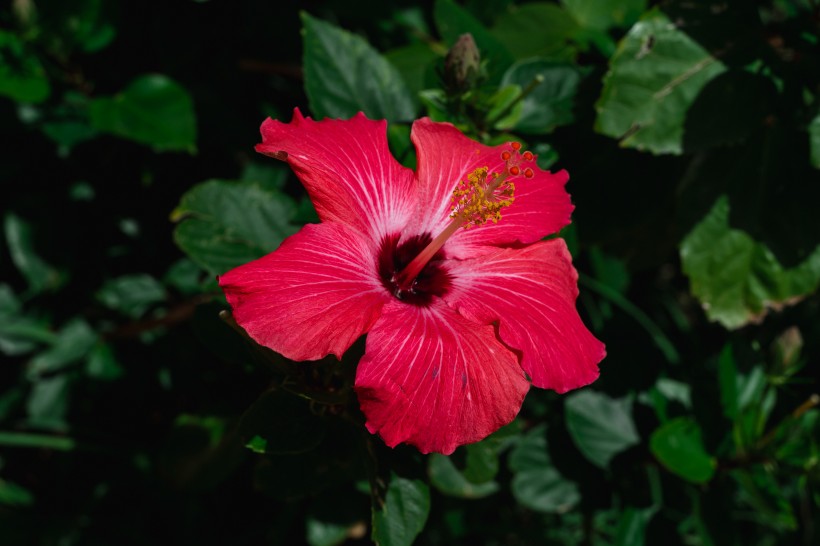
224	224
600	426
404	513
398	138
185	276
38	441
473	479
20	334
505	110
445	477
814	141
609	270
536	29
604	14
452	21
663	392
435	102
273	175
679	447
47	403
653	79
415	63
482	461
760	489
153	110
131	295
213	426
737	279
324	533
798	437
9	303
345	75
22	77
80	23
546	155
67	123
550	101
12	494
675	390
536	482
102	364
73	343
755	401
40	275
632	526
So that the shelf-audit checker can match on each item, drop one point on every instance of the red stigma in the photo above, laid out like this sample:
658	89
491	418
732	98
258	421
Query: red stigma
528	156
528	173
515	145
514	170
506	156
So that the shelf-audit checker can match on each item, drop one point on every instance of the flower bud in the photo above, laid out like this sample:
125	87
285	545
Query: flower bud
462	65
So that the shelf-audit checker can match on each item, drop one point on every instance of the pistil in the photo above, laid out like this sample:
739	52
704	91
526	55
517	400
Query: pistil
405	278
476	201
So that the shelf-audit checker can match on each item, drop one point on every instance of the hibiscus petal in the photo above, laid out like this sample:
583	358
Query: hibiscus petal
314	296
531	293
435	380
347	169
445	156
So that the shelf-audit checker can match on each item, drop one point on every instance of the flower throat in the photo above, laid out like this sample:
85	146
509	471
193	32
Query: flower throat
412	270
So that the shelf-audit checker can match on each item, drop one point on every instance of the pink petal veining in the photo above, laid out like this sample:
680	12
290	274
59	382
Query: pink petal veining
431	379
440	370
445	156
313	296
347	169
531	293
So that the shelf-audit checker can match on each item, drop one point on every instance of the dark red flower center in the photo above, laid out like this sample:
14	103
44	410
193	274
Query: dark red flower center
433	280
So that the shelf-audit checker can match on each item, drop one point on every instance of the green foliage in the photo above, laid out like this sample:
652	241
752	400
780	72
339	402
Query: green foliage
536	483
223	224
814	141
403	513
653	78
537	29
153	110
603	14
678	445
20	240
19	333
549	103
452	21
736	278
80	24
600	426
131	295
632	528
12	494
691	134
22	76
447	478
345	75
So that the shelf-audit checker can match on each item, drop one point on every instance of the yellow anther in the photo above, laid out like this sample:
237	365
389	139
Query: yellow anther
480	198
476	201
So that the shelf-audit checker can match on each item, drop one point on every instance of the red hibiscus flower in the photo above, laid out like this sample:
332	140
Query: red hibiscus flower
444	269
